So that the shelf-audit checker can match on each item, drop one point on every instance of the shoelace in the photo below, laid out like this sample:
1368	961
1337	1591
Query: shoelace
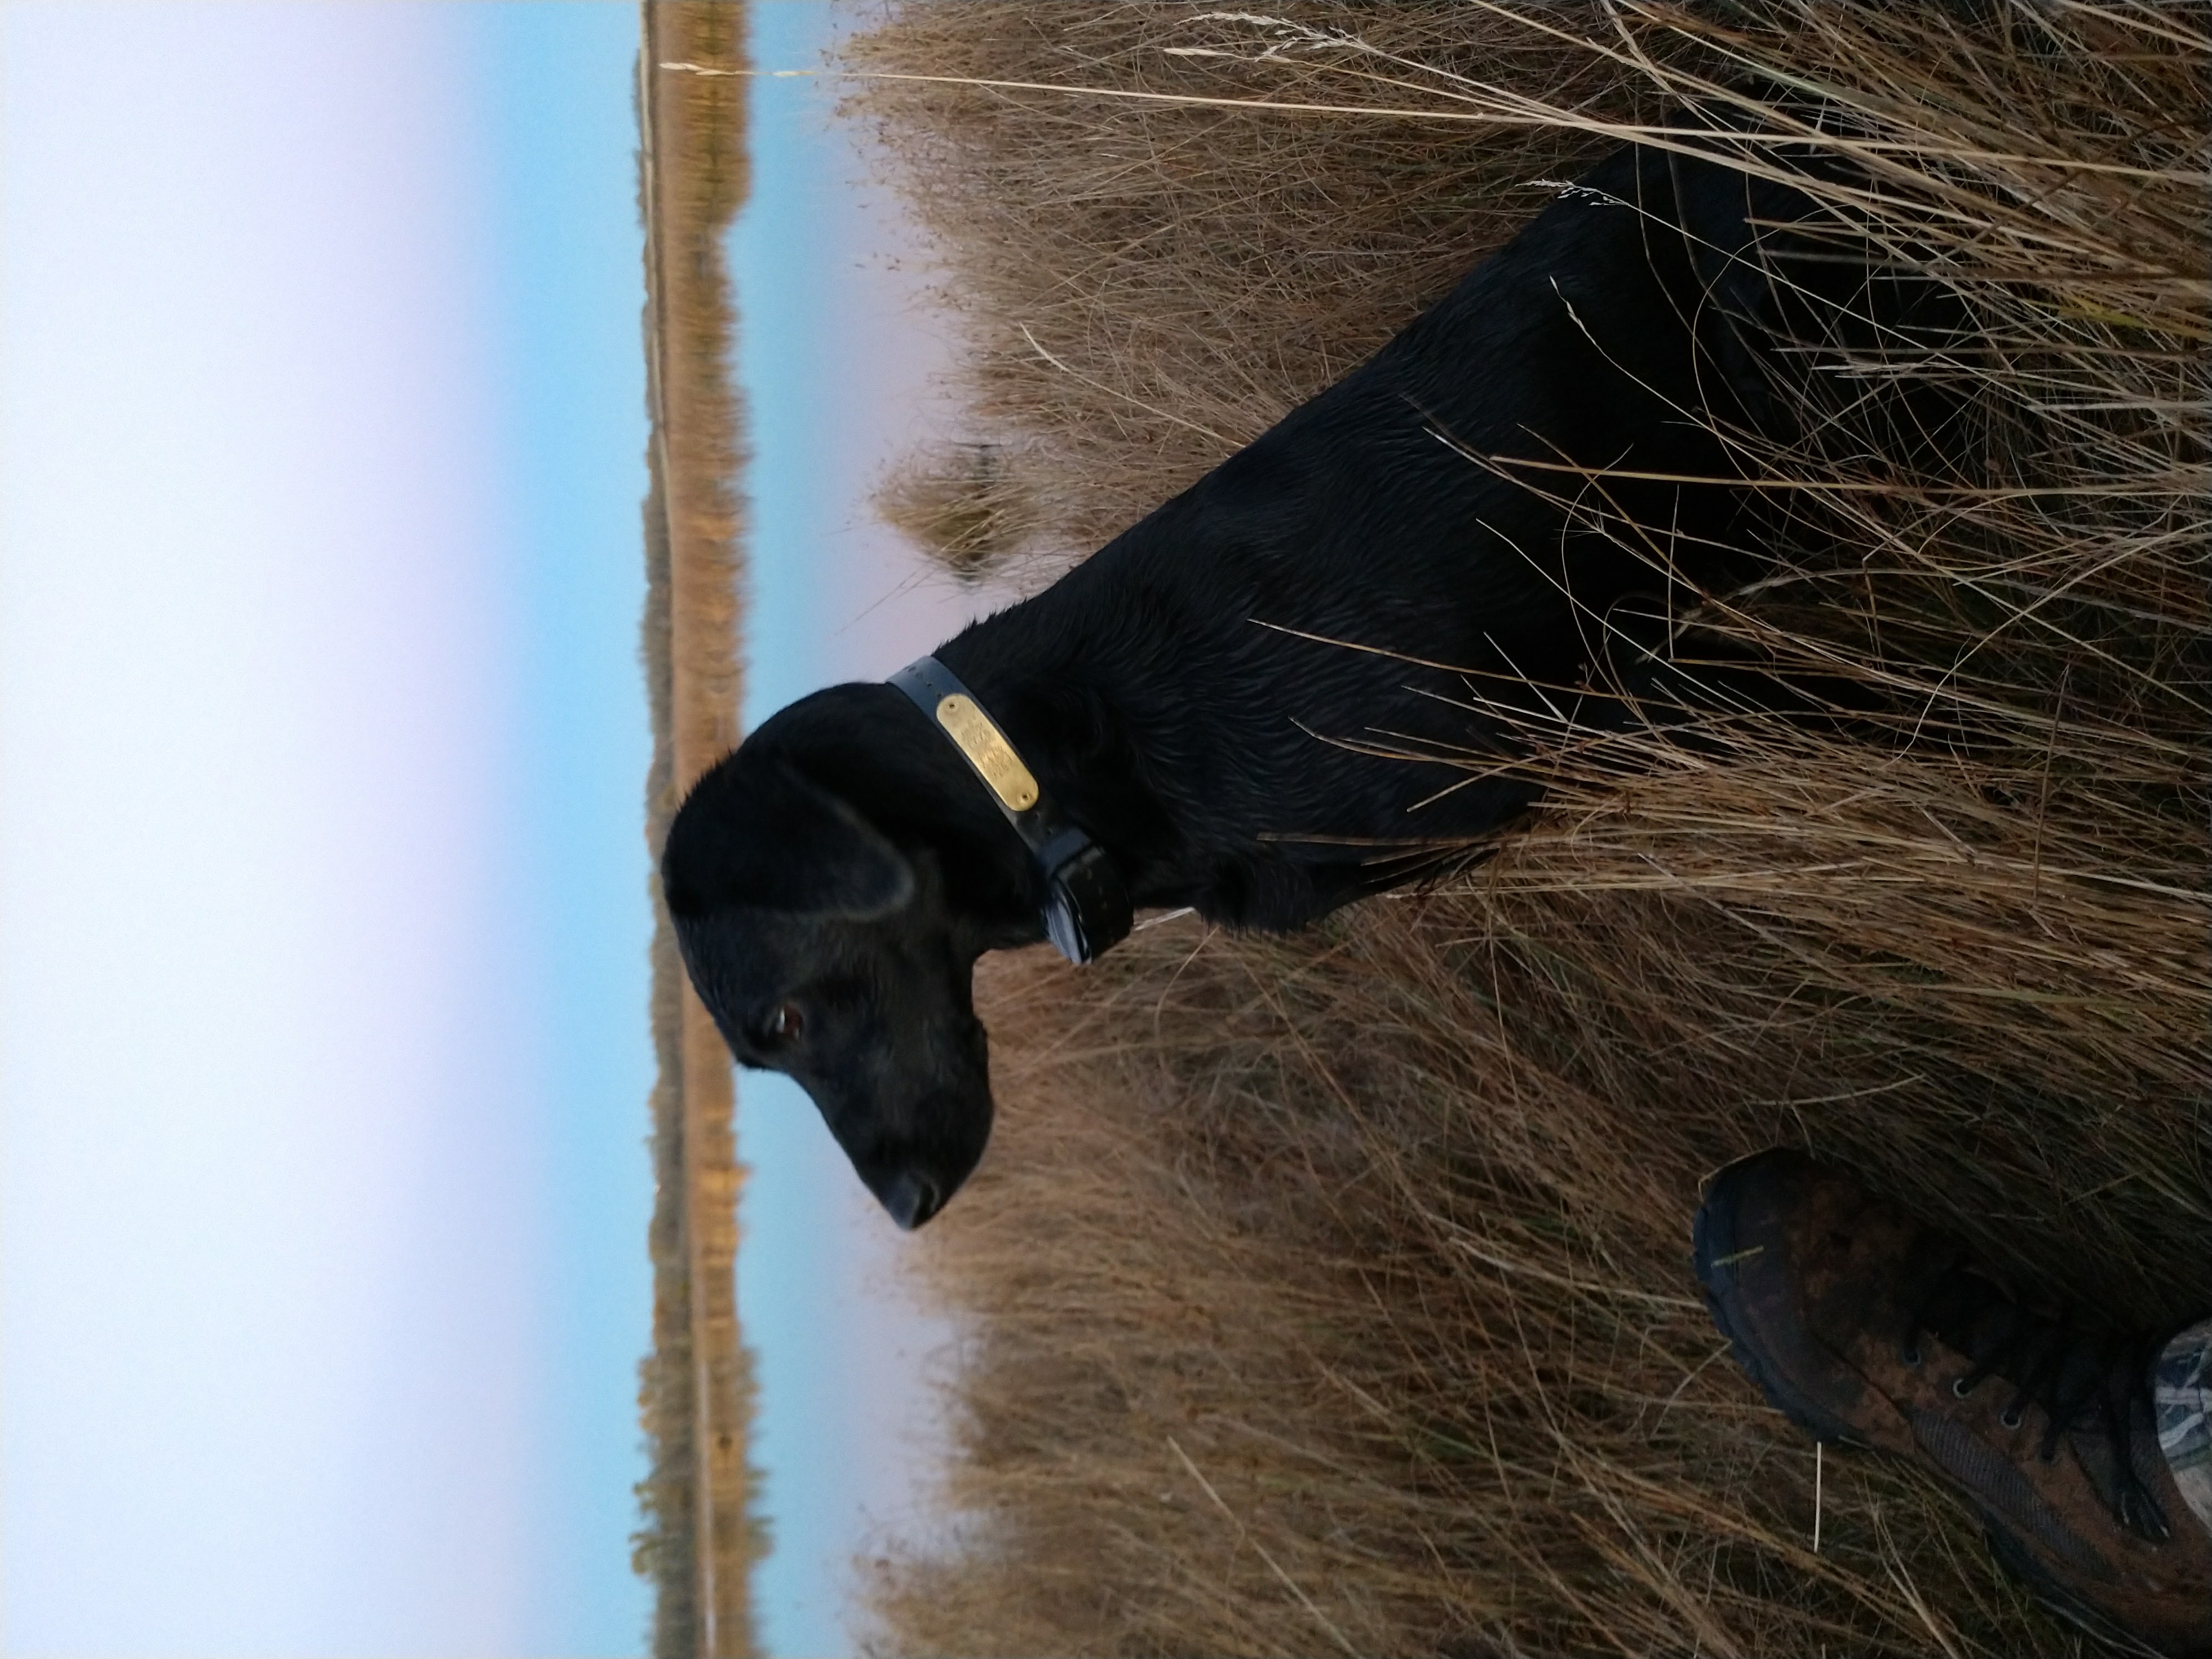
2080	1379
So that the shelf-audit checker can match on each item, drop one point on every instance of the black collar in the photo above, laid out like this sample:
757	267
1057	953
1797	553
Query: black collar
1087	906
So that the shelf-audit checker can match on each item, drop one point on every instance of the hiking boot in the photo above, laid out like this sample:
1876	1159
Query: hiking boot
1866	1327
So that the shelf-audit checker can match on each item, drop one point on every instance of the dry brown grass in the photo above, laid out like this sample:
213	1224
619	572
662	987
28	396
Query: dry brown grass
961	504
1332	1293
700	1534
1161	283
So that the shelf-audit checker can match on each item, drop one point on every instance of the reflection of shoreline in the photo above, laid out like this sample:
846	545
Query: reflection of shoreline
700	1538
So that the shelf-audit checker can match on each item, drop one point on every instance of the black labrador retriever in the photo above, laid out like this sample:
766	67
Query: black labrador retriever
1218	708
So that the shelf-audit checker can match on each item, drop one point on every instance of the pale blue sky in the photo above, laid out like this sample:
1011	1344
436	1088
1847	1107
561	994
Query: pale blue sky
323	1059
322	922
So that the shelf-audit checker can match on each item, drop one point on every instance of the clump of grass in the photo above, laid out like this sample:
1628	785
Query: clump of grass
1332	1293
961	505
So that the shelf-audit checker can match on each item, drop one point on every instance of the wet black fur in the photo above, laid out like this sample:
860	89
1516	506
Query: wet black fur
1188	695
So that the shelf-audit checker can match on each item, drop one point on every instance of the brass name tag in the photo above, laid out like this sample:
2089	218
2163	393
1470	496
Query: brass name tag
988	752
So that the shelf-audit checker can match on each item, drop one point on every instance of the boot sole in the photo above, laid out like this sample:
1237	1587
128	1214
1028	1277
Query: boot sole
1713	1249
2063	1603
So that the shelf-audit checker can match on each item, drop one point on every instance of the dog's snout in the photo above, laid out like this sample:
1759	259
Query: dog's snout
911	1198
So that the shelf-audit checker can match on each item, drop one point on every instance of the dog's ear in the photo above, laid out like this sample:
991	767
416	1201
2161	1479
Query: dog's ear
758	834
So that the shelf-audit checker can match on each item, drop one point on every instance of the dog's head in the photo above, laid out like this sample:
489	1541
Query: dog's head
834	937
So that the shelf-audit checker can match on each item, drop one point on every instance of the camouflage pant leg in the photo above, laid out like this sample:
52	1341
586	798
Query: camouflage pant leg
2181	1385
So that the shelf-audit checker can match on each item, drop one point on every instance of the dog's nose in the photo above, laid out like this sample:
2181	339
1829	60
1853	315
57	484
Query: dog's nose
910	1199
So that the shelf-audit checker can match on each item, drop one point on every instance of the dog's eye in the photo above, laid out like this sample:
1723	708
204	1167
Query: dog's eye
782	1025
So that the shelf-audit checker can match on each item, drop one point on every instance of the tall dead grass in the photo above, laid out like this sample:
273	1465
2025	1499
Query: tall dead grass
1332	1293
1147	286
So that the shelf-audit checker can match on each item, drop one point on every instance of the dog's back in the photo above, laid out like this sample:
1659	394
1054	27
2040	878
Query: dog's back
1232	667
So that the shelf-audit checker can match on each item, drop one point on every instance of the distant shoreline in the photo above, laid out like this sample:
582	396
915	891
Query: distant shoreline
701	1536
